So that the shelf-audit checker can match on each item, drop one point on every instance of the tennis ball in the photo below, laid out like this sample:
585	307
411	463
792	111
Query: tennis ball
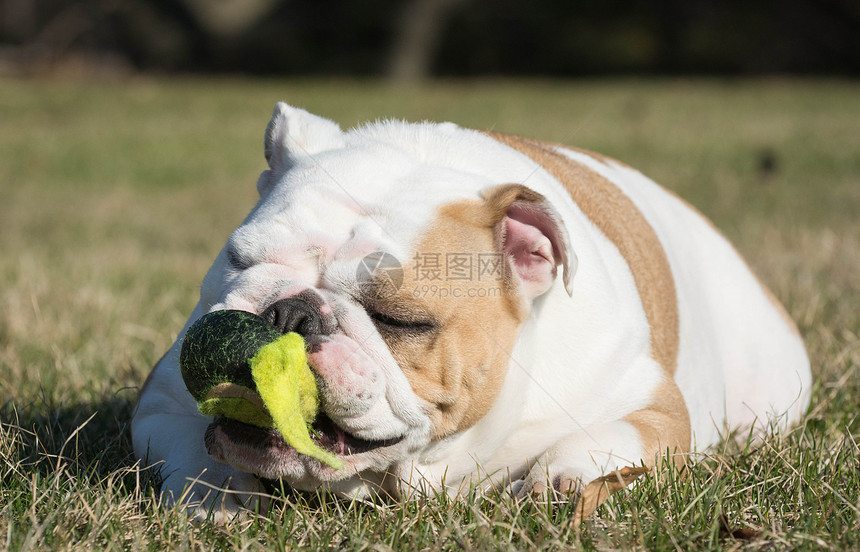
238	366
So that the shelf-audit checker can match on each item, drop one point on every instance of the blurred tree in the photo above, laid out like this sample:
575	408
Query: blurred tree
48	33
230	18
18	18
420	27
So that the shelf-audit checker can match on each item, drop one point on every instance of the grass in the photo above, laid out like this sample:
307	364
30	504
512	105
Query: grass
115	198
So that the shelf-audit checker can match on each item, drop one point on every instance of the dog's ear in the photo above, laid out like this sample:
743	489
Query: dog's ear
532	236
294	133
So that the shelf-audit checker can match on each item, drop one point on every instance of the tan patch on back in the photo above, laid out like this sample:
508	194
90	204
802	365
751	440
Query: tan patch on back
618	218
605	159
461	367
663	425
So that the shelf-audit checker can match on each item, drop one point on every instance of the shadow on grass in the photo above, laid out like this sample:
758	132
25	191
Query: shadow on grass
86	443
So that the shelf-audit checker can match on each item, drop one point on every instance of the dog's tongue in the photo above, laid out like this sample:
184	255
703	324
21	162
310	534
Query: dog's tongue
238	366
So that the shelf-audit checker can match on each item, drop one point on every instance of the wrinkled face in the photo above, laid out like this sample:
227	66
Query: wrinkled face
410	303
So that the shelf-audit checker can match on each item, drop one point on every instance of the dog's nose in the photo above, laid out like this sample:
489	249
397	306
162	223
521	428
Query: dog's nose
295	314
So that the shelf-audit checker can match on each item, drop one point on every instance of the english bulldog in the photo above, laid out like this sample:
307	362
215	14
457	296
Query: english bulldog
481	310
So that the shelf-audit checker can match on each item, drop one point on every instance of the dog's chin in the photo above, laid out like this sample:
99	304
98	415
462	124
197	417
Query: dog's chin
264	452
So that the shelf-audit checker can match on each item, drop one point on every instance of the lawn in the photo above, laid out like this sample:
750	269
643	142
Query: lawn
116	196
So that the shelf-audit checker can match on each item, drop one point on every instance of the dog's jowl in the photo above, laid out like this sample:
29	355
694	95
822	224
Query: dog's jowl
478	310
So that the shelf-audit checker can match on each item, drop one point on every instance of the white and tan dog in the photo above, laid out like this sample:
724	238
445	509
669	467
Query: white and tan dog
538	315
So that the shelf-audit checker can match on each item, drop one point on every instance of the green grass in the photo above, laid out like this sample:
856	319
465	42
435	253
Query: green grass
116	197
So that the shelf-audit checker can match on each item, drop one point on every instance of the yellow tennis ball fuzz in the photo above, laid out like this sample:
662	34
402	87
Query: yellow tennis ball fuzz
289	391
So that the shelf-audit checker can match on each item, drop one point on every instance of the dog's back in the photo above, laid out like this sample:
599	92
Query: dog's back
734	335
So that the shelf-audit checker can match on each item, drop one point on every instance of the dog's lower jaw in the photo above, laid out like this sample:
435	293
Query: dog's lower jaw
264	453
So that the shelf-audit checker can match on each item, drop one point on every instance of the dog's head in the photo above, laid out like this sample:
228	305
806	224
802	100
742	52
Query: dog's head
409	273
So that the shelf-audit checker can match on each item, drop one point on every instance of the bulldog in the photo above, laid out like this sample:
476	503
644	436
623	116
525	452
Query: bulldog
481	310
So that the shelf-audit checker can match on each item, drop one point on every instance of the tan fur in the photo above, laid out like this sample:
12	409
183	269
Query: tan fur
605	159
460	370
665	424
661	427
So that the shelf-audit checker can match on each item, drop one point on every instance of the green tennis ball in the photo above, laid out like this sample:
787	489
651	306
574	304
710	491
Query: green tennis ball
238	366
218	347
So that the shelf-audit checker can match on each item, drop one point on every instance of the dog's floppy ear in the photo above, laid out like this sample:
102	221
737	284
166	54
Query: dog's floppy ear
531	234
294	133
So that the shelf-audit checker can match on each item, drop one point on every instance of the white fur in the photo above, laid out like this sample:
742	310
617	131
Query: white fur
732	338
580	365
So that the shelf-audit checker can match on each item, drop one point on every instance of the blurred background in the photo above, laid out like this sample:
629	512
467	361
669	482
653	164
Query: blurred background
414	39
131	135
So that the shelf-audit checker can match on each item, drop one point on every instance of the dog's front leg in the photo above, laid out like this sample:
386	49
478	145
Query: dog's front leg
640	438
167	426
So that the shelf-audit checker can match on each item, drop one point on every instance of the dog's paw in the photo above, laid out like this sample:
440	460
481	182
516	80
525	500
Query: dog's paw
574	461
544	481
215	497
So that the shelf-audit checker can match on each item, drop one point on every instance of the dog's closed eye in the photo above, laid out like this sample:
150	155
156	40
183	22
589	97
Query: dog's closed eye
397	323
